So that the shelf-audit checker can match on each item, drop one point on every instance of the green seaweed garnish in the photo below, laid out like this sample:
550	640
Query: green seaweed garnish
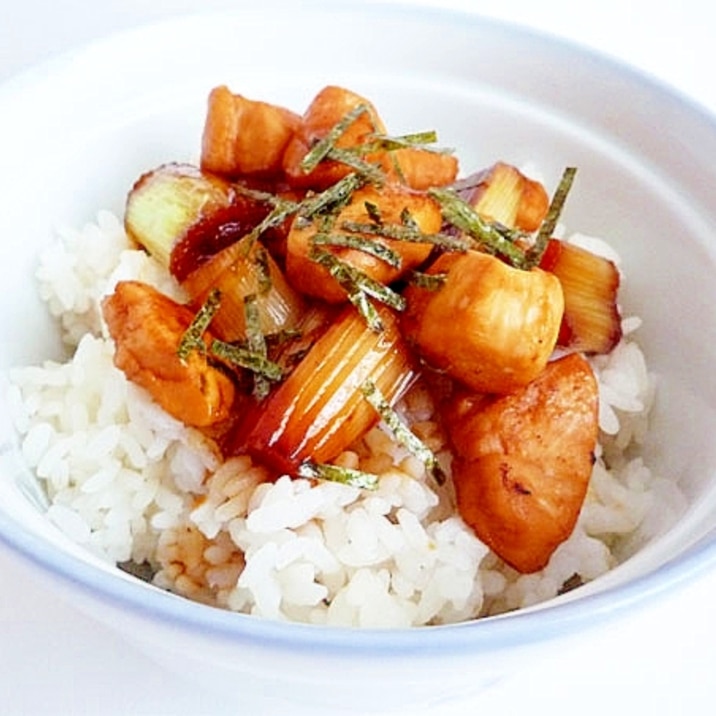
321	149
359	287
192	339
546	229
335	473
496	238
402	432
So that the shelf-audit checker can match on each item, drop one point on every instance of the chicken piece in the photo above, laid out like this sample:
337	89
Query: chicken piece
523	461
243	136
420	168
147	328
491	326
327	109
391	201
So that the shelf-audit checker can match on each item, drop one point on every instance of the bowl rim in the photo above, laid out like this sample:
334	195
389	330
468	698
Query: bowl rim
519	628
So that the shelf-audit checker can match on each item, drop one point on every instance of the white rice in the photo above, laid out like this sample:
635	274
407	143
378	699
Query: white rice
131	483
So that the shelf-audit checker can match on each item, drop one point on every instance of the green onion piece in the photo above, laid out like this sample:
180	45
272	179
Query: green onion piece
192	338
534	254
360	243
321	149
402	432
334	473
428	281
496	238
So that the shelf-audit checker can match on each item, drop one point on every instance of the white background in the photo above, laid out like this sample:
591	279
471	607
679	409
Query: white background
54	660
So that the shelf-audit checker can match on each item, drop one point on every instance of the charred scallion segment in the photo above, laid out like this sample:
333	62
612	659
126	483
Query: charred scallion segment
335	473
318	411
494	237
193	337
237	273
536	251
402	432
360	287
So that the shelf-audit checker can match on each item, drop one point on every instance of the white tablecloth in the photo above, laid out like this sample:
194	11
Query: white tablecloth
54	660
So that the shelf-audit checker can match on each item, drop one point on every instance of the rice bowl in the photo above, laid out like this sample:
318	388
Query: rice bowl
658	360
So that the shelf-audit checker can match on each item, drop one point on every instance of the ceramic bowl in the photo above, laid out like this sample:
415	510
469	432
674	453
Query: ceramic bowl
77	131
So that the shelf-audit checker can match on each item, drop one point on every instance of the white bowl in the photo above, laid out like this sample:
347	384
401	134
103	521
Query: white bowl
78	131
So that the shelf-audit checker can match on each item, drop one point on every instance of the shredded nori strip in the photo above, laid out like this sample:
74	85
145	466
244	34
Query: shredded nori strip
322	147
495	237
282	209
358	285
535	252
335	473
263	272
352	158
408	219
242	357
193	336
373	211
402	432
420	140
406	233
428	281
331	199
256	343
571	583
360	243
140	570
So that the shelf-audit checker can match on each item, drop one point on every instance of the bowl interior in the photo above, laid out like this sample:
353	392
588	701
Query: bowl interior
492	92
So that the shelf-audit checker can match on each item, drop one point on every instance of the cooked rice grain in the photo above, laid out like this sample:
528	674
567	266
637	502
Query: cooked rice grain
131	483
